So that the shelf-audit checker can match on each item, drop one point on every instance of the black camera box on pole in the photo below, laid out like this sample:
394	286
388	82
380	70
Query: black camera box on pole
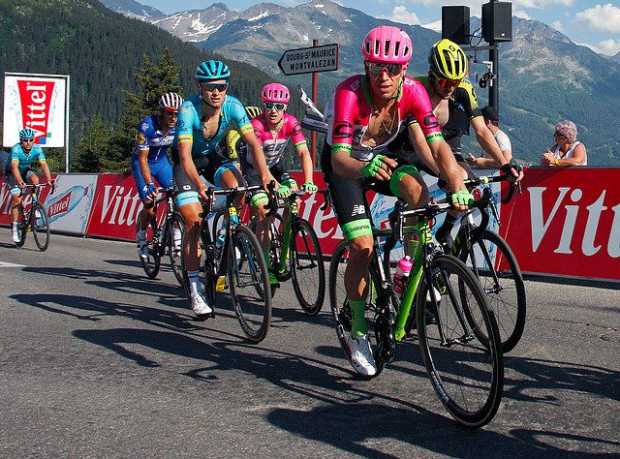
497	21
455	23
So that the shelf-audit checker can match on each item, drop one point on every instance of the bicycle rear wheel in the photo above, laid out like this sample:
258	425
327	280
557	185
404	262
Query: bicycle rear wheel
153	259
174	241
307	268
40	227
467	375
249	283
492	261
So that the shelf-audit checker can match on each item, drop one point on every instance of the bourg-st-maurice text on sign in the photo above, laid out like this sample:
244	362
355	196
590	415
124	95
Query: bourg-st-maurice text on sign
322	58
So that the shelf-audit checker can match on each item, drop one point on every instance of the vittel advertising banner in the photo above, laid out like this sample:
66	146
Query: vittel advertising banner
69	207
35	101
115	208
566	222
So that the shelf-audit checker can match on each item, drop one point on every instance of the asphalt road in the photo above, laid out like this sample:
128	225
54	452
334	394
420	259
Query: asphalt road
96	360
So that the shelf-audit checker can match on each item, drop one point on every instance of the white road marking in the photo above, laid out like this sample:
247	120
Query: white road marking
5	264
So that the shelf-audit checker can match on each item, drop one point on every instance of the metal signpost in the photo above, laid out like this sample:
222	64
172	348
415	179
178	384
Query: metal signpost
313	60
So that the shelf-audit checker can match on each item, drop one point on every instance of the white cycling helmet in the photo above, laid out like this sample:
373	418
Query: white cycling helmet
171	102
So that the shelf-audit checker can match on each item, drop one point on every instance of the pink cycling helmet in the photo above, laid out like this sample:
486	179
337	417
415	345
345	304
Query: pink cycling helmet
275	92
387	45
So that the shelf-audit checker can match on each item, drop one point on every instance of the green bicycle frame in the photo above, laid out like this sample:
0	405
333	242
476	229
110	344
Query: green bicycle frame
416	250
287	234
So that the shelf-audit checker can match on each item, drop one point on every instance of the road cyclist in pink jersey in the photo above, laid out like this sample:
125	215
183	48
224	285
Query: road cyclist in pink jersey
275	129
368	113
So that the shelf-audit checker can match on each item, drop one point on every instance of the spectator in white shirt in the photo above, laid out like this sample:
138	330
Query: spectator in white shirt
566	150
492	121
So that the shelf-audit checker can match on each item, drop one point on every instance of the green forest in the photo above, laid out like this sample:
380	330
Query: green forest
118	67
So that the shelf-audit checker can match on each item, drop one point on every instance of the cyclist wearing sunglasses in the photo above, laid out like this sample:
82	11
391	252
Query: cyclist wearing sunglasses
18	171
456	107
201	127
150	160
275	129
369	112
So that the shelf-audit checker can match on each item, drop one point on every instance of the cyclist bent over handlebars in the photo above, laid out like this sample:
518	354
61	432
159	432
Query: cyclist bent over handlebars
368	113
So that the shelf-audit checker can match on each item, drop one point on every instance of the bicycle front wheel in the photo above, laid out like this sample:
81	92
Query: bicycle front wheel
249	284
40	227
174	239
492	261
307	267
467	374
152	262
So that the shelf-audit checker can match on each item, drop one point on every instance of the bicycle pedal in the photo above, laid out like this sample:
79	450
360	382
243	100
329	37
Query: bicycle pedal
220	284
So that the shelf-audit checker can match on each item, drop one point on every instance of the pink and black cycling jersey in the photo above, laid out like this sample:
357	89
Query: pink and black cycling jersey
274	147
351	110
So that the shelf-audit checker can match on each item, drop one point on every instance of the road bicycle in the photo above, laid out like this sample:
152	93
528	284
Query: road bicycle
493	262
295	252
443	307
236	262
164	238
33	217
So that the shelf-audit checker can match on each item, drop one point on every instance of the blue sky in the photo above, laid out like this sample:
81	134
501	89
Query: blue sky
587	22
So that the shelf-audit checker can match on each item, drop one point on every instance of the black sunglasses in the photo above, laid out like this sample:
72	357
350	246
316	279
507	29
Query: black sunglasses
221	87
376	69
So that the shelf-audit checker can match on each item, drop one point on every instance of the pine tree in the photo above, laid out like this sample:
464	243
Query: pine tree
154	80
90	150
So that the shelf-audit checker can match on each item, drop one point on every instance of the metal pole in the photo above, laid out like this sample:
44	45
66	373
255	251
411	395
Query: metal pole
494	57
315	95
68	96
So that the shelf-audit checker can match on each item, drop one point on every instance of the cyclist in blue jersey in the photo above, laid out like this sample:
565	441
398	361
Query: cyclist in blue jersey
150	160
19	171
203	122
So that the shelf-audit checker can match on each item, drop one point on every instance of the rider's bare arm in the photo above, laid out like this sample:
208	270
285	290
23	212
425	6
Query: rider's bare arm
422	149
306	162
346	166
449	170
144	165
259	156
46	171
16	173
187	163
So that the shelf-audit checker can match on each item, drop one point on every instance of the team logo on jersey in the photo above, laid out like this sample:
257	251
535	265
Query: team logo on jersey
140	138
343	129
430	121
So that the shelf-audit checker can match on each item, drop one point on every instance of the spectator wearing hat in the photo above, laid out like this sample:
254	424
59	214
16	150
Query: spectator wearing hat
492	121
567	150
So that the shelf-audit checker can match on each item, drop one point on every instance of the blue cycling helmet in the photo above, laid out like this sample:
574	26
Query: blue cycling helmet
212	70
27	134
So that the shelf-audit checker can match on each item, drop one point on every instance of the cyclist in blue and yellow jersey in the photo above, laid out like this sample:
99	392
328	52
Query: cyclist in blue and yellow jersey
455	105
150	161
19	171
203	122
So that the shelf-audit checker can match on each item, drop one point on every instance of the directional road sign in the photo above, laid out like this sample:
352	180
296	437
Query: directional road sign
322	58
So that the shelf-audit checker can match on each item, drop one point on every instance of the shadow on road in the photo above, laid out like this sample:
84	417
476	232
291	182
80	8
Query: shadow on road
355	427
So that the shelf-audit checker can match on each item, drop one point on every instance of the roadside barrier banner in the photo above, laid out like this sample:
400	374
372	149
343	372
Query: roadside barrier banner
70	205
115	208
566	222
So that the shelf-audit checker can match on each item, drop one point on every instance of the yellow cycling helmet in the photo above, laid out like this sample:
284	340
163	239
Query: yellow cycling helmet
447	60
253	111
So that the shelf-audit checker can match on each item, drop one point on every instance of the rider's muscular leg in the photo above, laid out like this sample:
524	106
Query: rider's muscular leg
262	227
146	214
16	202
356	281
191	240
413	190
